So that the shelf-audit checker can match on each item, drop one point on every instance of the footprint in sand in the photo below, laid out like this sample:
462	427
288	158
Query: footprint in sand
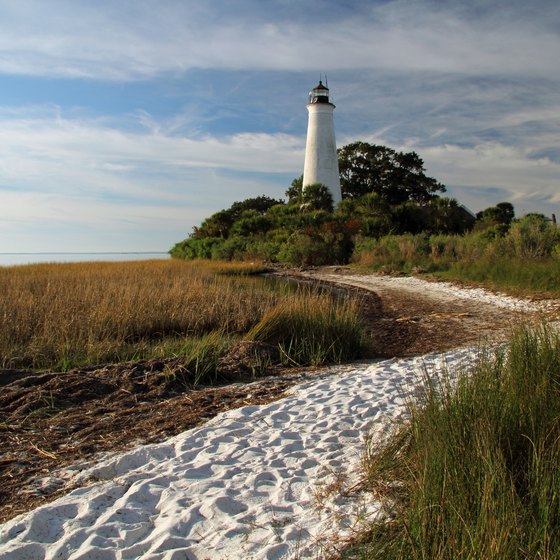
222	505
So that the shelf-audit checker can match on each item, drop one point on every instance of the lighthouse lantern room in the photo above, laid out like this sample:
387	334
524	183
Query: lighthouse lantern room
319	94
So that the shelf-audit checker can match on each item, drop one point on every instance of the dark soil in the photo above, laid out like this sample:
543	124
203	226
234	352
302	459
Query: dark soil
52	420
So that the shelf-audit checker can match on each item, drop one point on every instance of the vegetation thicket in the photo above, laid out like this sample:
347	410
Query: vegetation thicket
522	257
384	192
473	471
392	218
67	315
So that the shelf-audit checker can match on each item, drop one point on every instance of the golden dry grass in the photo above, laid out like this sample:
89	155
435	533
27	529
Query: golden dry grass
62	314
66	315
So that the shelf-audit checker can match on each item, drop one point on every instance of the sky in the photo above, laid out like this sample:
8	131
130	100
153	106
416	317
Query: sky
124	123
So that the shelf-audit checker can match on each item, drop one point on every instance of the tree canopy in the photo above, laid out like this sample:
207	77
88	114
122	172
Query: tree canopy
295	191
317	197
502	213
396	176
220	223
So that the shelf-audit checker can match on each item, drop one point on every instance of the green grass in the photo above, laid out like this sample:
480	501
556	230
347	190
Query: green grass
474	473
523	261
514	275
200	359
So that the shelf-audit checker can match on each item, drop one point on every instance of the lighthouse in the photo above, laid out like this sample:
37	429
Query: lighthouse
321	160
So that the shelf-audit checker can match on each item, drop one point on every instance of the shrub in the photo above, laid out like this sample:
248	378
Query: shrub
400	252
232	248
305	250
193	248
250	223
531	237
262	249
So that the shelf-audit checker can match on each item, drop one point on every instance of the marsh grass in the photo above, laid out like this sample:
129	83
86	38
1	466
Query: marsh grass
200	359
229	268
514	275
313	329
525	261
474	472
60	316
70	314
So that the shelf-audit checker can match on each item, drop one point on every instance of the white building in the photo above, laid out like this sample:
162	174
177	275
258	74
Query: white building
321	160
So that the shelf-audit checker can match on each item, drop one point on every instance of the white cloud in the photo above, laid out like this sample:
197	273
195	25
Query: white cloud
142	40
35	222
87	151
84	174
510	172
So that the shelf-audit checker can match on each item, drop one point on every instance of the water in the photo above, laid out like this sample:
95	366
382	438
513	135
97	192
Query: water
10	259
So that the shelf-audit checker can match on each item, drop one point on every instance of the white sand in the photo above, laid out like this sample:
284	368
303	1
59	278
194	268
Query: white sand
441	291
256	482
272	481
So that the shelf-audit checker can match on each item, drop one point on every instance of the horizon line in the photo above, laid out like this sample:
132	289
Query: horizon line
87	253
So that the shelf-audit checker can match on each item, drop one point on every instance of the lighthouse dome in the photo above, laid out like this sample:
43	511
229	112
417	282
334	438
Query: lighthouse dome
319	94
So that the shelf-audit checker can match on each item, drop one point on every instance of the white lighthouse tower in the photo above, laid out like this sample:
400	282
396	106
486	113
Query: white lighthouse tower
321	160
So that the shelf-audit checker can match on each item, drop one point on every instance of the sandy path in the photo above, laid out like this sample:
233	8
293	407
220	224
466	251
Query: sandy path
415	316
257	482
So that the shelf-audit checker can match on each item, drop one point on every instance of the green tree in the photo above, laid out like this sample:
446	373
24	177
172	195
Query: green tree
191	248
294	192
216	225
447	216
260	204
220	223
408	218
396	176
502	213
532	236
317	197
251	222
284	216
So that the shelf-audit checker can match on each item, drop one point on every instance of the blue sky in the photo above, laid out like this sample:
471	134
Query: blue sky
124	123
